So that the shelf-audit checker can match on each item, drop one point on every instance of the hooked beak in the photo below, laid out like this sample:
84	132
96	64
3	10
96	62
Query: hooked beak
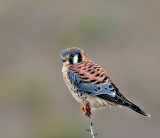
64	59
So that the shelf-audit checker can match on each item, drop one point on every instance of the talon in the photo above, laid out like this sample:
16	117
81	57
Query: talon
86	110
82	108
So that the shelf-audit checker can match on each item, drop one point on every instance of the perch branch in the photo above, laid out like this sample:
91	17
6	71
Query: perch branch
91	129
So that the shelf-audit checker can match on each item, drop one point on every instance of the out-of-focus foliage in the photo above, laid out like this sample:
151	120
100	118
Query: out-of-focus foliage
122	36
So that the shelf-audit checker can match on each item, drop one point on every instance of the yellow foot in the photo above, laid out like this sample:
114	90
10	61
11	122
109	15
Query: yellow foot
82	108
86	110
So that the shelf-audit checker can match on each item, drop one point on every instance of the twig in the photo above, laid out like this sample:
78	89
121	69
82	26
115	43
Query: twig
91	129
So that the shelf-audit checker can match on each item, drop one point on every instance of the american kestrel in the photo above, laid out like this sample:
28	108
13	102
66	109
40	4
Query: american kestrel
89	84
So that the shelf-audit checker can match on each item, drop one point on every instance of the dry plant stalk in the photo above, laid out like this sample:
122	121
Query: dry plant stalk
91	129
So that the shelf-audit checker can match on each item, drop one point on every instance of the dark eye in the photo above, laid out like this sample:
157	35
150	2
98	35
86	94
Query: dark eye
71	55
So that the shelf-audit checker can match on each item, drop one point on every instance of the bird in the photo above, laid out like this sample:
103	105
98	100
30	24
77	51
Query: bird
90	85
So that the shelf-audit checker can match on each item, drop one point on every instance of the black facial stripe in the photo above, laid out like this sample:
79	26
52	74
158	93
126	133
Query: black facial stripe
79	57
71	60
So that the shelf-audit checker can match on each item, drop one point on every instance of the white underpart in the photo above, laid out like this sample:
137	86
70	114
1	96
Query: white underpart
66	63
99	101
75	59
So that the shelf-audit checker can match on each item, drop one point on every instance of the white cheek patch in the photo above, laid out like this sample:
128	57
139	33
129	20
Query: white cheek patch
66	63
75	59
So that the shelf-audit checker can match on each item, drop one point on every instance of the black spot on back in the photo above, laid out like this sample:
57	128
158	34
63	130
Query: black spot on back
97	74
104	79
98	82
92	80
85	78
92	72
101	75
90	66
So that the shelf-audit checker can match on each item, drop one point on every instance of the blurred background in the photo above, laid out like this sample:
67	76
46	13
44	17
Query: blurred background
121	36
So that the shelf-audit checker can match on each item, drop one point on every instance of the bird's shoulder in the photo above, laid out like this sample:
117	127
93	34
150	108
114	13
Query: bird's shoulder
89	72
90	77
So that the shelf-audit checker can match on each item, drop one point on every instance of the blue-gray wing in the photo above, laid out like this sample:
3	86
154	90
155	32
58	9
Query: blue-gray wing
105	87
102	87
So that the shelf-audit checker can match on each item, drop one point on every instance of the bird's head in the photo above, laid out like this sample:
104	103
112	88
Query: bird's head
72	56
